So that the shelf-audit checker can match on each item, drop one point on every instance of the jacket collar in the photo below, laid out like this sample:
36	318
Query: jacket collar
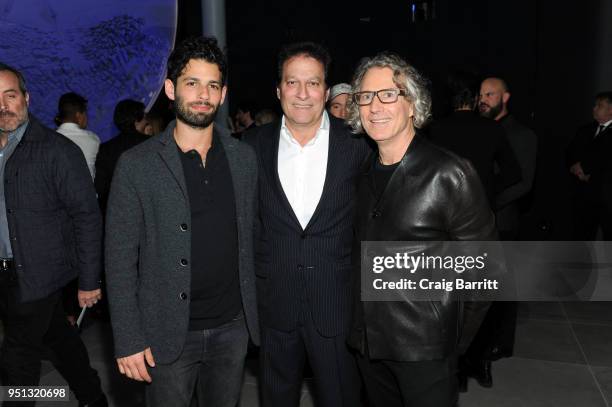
34	130
169	152
408	161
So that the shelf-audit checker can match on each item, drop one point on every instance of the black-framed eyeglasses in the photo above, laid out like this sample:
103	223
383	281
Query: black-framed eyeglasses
384	95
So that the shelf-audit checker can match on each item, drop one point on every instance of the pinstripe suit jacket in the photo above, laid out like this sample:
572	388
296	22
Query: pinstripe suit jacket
311	265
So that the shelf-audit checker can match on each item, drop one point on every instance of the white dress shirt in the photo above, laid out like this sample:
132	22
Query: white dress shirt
87	141
605	127
302	170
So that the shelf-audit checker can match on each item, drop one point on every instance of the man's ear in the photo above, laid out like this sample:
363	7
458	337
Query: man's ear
505	97
223	93
27	99
278	92
169	89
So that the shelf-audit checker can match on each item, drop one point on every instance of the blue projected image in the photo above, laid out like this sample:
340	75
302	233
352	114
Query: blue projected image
105	50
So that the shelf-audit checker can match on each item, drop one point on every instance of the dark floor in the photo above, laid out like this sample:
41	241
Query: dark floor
563	357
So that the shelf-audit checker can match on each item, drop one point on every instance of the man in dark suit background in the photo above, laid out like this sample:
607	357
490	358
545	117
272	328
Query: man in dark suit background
179	245
129	117
480	140
494	104
307	170
587	158
495	338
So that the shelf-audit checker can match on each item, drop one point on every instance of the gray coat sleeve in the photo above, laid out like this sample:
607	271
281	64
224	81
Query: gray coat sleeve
124	224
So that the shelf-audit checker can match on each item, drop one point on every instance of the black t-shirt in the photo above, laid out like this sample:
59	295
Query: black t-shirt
382	175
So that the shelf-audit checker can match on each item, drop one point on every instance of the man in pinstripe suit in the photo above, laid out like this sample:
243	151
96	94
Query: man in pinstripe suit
308	163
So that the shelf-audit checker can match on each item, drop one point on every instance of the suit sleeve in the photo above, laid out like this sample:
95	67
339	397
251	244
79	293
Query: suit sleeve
507	162
76	192
527	160
595	158
124	223
103	177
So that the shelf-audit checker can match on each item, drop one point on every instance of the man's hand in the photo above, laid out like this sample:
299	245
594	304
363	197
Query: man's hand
577	170
89	298
134	366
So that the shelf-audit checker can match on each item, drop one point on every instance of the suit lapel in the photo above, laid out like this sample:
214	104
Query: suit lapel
237	171
169	154
334	156
270	162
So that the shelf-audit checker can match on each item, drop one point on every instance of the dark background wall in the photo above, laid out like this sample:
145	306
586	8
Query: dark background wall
554	55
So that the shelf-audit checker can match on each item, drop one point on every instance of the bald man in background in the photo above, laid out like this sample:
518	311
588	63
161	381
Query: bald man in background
495	338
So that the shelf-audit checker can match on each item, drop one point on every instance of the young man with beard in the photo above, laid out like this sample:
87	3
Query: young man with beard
179	248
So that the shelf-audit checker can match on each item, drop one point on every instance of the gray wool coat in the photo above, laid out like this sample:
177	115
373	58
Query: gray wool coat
147	243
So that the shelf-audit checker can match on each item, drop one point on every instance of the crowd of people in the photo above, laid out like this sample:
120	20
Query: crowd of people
203	239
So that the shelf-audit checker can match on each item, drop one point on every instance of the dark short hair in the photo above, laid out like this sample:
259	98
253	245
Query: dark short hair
607	96
19	75
247	106
204	48
310	49
126	113
463	88
69	105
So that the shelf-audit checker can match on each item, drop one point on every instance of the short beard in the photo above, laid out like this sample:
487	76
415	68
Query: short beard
493	112
195	120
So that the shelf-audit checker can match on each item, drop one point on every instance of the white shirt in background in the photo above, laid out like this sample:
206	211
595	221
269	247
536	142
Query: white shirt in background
88	142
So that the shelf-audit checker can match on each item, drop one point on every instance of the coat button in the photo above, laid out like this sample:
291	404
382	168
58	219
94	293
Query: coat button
183	296
184	262
184	227
303	235
376	213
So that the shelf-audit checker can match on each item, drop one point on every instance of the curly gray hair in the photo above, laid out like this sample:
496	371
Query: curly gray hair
405	77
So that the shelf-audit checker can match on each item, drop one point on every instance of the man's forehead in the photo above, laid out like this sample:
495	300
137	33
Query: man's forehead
492	85
197	65
378	74
9	80
303	62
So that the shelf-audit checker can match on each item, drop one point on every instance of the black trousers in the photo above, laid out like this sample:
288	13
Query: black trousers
430	383
282	359
591	209
30	329
495	337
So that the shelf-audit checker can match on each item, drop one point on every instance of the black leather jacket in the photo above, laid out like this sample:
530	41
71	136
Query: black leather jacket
433	195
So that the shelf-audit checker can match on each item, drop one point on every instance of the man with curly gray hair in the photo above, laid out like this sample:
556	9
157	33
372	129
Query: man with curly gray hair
413	191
